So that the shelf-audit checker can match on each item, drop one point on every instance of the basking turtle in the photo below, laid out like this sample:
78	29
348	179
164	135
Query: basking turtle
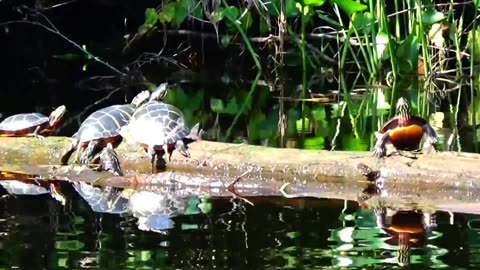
160	128
31	124
102	126
404	131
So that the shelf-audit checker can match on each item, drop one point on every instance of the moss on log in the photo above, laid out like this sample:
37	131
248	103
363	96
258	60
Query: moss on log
287	165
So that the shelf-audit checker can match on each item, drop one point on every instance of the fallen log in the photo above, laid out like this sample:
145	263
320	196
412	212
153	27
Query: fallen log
453	169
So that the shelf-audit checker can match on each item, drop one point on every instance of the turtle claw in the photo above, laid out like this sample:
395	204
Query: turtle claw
379	151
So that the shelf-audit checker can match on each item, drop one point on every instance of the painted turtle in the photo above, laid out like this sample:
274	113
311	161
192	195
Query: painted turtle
160	128
404	131
31	124
102	126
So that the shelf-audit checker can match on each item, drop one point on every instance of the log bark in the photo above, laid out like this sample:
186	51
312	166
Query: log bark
442	181
452	169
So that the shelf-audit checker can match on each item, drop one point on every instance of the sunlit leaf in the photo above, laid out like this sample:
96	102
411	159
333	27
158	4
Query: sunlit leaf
431	16
317	142
382	42
167	13
151	16
216	16
349	6
473	44
315	3
217	105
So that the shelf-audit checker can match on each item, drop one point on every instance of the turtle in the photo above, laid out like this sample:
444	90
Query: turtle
102	126
31	124
405	131
160	128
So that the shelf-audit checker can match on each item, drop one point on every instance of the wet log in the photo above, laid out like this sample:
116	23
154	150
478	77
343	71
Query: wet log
452	169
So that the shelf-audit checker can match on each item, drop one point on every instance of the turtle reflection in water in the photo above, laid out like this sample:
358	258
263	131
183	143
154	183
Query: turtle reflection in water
101	199
31	187
155	209
407	229
405	131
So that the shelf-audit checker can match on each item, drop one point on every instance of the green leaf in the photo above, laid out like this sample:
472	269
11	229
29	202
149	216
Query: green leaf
217	105
473	44
382	44
349	6
254	124
226	39
314	3
232	106
217	15
68	56
363	22
246	21
151	16
181	14
231	13
290	8
167	13
326	17
431	16
264	27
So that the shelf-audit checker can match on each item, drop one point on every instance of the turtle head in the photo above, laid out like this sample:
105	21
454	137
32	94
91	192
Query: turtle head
57	115
140	98
160	92
403	109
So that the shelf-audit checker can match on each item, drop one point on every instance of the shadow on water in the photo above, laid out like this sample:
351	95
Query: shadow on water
159	227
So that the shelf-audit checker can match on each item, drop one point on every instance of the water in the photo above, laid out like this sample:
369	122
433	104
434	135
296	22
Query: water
174	229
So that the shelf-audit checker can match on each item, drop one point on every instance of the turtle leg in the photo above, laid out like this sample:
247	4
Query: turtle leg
68	154
109	160
36	134
89	152
56	193
152	153
380	150
431	136
182	148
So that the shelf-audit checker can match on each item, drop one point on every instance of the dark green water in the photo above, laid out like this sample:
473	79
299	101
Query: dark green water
152	230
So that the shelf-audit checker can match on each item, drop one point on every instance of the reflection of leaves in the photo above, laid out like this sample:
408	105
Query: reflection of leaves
69	245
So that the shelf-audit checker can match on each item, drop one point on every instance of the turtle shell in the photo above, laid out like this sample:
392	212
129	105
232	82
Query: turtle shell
158	124
105	123
22	123
405	134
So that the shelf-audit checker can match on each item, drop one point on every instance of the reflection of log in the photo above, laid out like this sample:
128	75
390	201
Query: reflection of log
453	169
